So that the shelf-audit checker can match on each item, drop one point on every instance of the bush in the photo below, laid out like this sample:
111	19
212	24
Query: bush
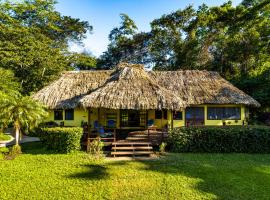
162	147
4	137
242	139
62	139
10	153
95	148
3	152
15	150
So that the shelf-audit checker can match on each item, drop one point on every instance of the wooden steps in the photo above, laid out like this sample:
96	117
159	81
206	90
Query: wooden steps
136	153
125	142
136	139
133	148
130	148
154	137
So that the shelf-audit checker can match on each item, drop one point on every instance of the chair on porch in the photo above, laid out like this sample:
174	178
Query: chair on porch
111	123
100	129
150	122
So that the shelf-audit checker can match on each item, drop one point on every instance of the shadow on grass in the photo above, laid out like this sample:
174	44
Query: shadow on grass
35	148
227	176
92	172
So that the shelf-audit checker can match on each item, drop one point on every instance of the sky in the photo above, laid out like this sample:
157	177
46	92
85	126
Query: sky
103	15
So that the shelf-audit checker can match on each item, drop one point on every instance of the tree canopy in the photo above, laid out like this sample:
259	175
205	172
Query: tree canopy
233	40
34	41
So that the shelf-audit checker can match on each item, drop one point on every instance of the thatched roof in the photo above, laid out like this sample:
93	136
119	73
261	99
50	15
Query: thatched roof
202	87
131	87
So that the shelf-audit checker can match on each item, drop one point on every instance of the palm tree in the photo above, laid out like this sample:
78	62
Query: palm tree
9	87
21	112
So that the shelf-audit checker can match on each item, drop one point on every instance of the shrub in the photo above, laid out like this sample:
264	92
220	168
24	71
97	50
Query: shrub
15	150
95	148
3	152
62	139
4	137
162	147
10	153
242	139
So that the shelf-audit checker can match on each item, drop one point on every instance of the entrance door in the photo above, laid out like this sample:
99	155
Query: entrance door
132	118
195	116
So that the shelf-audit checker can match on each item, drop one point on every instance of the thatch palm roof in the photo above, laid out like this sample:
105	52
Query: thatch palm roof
131	87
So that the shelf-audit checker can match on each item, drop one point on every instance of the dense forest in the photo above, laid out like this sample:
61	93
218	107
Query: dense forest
232	40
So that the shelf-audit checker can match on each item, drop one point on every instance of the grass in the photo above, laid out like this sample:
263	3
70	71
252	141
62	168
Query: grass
4	137
37	174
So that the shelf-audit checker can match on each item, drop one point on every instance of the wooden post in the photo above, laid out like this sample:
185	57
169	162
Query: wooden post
114	134
89	122
162	135
146	119
171	119
161	119
148	134
88	128
99	120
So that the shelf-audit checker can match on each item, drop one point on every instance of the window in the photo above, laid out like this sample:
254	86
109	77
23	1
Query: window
69	114
132	118
158	114
220	113
58	115
111	119
124	118
195	113
177	115
194	116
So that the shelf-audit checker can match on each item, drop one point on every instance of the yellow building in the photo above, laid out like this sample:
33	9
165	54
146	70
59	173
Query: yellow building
131	98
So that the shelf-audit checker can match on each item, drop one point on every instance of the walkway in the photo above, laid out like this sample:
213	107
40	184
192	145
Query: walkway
25	139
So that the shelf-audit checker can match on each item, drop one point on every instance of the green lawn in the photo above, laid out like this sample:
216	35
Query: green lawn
37	174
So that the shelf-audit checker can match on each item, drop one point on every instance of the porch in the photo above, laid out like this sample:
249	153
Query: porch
125	125
134	143
153	135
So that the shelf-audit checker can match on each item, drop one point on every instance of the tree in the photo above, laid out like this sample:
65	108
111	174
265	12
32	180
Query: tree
34	41
126	45
16	109
82	61
21	112
9	87
8	84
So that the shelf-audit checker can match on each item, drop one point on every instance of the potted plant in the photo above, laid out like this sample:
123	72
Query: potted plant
4	139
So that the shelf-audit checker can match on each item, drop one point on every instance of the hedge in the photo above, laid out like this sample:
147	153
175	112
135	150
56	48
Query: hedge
62	139
240	139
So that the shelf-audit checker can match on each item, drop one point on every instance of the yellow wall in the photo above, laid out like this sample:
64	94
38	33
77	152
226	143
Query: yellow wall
82	115
179	123
162	123
79	116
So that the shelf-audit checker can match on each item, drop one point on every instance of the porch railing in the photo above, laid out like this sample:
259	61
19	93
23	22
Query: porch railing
150	131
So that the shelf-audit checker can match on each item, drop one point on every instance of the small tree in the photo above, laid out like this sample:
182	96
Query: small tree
9	88
21	112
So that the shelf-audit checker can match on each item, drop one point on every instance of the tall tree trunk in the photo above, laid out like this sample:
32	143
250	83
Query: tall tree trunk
17	132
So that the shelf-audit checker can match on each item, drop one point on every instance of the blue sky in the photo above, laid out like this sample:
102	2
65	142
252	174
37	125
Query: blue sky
103	15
